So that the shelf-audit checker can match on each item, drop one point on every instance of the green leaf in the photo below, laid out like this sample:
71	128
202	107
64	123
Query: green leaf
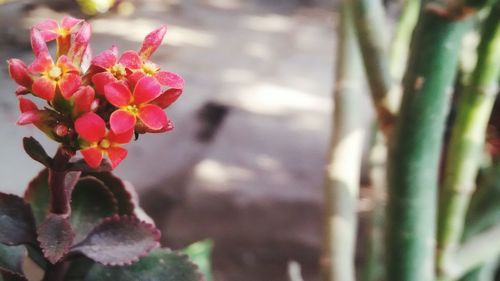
119	241
37	195
120	190
16	221
11	259
55	236
159	265
91	202
35	150
201	254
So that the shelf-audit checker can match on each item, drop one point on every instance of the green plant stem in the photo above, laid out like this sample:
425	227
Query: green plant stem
373	269
371	27
345	153
57	174
398	55
467	140
416	147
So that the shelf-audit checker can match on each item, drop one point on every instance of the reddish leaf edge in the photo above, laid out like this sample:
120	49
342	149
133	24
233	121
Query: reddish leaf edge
131	219
66	250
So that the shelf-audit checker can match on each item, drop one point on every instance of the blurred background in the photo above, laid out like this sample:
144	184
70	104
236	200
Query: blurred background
245	163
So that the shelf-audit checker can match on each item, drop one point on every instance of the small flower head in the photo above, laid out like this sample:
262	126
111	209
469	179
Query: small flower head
93	105
96	142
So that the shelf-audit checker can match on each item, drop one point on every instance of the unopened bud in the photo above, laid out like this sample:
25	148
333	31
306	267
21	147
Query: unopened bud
61	130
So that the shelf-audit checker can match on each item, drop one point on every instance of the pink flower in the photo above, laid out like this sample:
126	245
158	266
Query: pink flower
136	105
82	100
97	143
31	114
111	68
51	30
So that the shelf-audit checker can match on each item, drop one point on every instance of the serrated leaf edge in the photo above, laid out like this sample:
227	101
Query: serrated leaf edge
66	251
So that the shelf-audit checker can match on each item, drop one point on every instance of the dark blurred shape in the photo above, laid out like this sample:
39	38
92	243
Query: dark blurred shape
211	116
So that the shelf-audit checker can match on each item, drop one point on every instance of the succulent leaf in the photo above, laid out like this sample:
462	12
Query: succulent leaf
11	259
16	221
56	237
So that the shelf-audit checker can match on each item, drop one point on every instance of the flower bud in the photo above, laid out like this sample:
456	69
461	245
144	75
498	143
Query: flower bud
61	130
19	72
151	42
80	44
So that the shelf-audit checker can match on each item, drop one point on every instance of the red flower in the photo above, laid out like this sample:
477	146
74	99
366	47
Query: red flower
112	69
136	105
151	42
62	74
97	143
82	100
51	30
80	44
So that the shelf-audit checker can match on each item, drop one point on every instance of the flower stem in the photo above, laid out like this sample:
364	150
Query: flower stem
57	173
467	140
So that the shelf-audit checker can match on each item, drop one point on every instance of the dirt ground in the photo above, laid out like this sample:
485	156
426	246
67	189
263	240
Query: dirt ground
244	165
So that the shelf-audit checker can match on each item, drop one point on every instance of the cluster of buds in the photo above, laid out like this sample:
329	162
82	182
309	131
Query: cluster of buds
94	105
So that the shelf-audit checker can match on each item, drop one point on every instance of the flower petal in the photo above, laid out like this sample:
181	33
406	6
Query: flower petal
70	22
38	43
116	155
19	72
48	29
167	98
130	59
105	59
41	64
68	84
20	91
44	88
29	117
66	66
118	94
102	79
82	100
151	42
170	79
134	78
93	156
121	121
146	90
80	44
26	105
153	117
90	127
120	138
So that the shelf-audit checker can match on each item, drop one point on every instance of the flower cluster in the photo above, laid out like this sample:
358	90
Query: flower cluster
99	108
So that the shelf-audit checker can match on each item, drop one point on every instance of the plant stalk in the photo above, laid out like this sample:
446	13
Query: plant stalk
345	153
467	141
416	147
370	29
57	174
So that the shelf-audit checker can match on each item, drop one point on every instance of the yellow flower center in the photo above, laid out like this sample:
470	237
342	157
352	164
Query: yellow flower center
104	144
55	72
132	109
149	68
118	70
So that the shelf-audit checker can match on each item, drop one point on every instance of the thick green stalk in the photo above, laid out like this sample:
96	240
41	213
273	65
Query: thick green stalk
343	171
416	148
467	140
372	36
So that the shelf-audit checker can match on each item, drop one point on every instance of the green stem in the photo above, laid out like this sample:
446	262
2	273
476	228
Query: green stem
343	171
467	140
416	148
398	55
373	268
371	27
